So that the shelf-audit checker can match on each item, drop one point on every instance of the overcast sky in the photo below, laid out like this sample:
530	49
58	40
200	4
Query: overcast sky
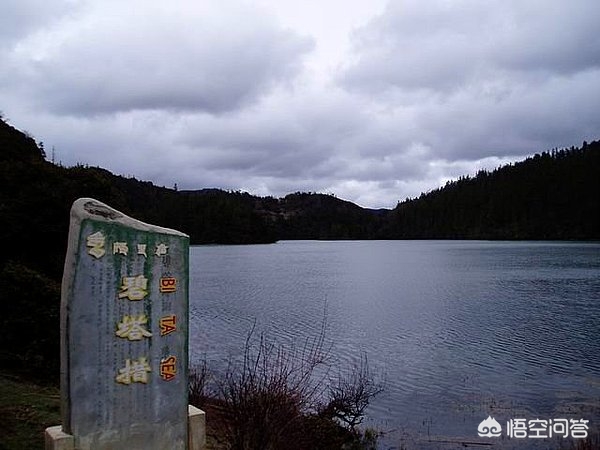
371	100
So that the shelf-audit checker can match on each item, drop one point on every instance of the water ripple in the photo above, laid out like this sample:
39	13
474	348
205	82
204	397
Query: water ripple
460	329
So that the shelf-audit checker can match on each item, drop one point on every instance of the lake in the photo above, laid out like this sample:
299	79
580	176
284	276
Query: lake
459	329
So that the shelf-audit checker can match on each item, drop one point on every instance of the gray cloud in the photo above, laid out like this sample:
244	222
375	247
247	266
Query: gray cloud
284	136
221	95
181	59
21	17
484	79
561	111
446	46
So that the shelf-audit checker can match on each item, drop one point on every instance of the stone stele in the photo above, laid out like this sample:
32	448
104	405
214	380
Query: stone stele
124	332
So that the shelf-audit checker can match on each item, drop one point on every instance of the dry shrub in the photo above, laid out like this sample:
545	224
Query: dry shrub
198	383
349	396
283	398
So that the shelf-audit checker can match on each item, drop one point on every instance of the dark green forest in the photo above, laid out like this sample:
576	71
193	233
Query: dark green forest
550	196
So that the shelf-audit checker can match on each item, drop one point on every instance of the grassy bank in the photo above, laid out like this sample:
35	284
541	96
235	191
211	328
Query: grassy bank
275	397
26	409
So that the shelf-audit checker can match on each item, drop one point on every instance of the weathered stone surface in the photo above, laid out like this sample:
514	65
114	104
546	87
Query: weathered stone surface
124	330
196	428
56	439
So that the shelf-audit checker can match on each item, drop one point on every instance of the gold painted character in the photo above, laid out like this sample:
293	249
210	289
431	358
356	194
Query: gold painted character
135	371
141	250
120	248
161	249
134	288
96	243
132	328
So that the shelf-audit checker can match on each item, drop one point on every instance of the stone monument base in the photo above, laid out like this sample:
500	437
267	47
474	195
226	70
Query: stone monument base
56	439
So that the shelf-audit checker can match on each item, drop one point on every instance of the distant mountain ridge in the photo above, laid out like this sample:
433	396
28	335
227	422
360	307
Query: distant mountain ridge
548	196
553	195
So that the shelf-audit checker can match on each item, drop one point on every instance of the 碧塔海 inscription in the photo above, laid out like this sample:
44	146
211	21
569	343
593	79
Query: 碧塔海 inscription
124	330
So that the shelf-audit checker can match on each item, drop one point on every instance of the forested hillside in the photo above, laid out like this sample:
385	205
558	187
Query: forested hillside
35	199
554	195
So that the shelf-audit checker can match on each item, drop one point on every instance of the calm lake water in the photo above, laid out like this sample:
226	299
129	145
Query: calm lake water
460	329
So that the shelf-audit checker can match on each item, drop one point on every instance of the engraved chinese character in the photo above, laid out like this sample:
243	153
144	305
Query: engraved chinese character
141	250
134	288
161	249
96	243
579	428
168	368
120	248
132	328
168	324
168	284
135	371
539	428
516	428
